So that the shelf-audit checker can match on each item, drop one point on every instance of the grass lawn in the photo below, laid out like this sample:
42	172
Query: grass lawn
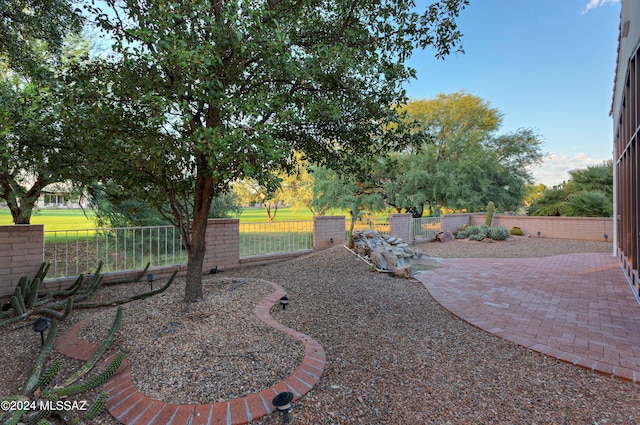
54	219
258	214
75	219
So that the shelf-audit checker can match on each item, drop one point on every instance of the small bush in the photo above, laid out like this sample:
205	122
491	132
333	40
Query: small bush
477	231
516	231
476	237
460	234
499	233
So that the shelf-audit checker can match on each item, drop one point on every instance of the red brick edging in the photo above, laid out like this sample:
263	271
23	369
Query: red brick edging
129	406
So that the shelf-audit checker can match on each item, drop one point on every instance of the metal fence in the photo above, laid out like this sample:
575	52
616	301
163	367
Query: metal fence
381	224
275	237
425	227
73	252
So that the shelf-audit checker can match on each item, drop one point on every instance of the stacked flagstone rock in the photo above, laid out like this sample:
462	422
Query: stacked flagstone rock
387	253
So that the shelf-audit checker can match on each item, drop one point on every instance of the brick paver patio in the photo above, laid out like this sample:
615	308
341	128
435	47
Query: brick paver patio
578	308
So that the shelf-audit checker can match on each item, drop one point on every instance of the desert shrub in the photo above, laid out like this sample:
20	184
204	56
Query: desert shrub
516	231
481	231
460	234
499	233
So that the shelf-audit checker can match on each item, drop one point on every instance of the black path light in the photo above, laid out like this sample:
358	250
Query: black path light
606	237
151	278
282	402
538	233
41	324
284	301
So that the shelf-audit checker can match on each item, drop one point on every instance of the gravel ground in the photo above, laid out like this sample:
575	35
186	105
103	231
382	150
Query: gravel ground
394	356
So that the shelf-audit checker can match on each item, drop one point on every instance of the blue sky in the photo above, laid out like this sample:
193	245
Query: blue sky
545	64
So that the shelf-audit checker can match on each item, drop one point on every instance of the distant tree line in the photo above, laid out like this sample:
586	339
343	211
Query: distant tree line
588	193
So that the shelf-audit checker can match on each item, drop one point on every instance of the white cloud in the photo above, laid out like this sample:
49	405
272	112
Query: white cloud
555	168
597	3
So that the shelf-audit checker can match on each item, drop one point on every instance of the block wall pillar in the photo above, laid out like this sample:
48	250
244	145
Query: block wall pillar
401	226
21	254
222	244
328	232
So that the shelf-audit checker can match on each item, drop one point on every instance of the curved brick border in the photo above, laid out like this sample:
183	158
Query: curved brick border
129	406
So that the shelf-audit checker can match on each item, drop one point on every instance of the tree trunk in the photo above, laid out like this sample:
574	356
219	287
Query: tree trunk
20	202
20	219
267	208
196	248
418	210
355	211
21	214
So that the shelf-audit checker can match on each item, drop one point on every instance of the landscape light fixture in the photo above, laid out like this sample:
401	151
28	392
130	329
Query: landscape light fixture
215	270
606	237
539	233
282	402
331	240
41	324
151	277
284	301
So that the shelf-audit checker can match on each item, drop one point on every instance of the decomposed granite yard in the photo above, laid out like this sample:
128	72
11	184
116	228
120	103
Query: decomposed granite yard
393	354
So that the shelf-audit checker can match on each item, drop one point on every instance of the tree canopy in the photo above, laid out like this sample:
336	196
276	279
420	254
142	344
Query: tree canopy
464	162
39	143
206	92
28	25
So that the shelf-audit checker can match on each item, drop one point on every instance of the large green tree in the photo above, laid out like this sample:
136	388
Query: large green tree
355	192
39	143
28	25
464	163
220	90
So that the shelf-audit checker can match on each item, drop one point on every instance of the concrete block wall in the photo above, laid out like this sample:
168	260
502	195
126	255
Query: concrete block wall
577	228
478	219
328	231
454	221
222	244
401	226
21	254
